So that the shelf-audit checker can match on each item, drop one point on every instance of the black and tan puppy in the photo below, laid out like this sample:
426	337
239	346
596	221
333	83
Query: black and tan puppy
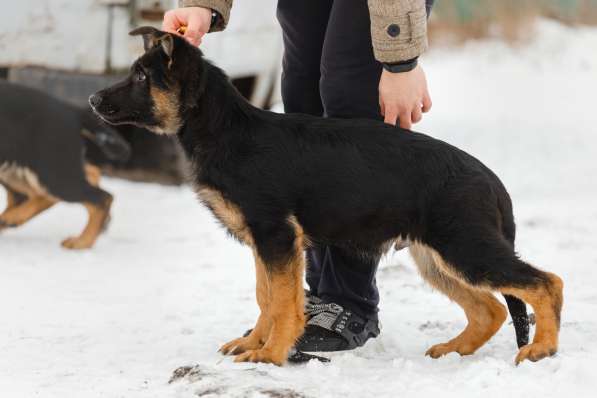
42	162
282	182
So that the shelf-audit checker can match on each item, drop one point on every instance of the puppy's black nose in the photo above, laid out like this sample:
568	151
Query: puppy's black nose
95	100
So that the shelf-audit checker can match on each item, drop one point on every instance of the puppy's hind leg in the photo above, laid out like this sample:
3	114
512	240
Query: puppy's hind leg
485	314
492	264
545	295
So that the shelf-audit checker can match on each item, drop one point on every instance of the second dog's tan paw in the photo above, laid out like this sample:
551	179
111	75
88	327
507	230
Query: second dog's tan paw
77	243
9	222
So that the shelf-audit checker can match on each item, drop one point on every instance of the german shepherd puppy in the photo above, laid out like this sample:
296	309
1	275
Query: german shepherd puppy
42	145
279	183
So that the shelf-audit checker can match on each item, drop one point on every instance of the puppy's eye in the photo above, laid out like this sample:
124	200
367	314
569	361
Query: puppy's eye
140	76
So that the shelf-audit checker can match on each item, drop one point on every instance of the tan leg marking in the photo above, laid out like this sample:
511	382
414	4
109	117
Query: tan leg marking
93	174
260	333
18	215
23	181
286	310
231	216
228	213
546	300
97	219
485	314
165	109
286	306
11	200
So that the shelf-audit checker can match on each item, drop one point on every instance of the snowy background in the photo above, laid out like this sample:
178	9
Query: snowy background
165	286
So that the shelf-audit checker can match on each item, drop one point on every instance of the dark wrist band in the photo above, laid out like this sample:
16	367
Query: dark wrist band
400	67
214	18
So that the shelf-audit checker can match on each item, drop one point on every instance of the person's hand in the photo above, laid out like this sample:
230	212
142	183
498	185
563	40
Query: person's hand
403	96
196	20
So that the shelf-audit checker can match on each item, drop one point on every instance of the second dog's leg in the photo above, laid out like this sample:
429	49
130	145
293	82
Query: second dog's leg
260	333
10	203
11	200
98	215
20	214
92	174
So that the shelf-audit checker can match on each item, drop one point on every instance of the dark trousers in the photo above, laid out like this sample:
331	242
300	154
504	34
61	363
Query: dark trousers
329	70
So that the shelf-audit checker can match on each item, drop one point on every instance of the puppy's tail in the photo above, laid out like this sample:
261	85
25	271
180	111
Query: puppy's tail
105	138
520	319
516	307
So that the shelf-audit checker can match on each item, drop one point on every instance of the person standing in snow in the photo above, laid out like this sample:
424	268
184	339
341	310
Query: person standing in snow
344	59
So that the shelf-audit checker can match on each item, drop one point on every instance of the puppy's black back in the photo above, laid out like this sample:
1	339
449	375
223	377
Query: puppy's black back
361	175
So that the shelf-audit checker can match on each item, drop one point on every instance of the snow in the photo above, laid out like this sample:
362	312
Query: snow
165	286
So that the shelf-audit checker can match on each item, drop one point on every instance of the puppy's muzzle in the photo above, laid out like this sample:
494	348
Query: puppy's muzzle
95	100
100	106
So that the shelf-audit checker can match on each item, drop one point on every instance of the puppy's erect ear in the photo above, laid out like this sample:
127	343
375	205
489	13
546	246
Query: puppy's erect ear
167	42
152	37
149	34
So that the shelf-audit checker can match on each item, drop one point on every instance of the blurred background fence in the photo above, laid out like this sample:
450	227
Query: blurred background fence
457	20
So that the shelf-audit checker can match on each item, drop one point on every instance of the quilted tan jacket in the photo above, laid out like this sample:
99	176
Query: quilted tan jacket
398	27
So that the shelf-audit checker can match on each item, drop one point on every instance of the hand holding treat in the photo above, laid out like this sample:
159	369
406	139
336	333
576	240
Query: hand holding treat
190	22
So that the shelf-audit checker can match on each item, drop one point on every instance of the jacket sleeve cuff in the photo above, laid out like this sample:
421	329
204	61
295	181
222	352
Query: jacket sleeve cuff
398	29
222	7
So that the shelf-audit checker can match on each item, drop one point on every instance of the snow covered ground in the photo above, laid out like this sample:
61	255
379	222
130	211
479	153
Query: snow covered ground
165	286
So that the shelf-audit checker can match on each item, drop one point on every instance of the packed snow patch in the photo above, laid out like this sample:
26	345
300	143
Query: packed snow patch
165	286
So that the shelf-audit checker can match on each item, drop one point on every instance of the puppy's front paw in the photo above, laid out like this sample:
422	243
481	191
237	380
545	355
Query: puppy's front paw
262	355
439	350
240	345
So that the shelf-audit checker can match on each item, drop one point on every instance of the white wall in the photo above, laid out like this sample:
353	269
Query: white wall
71	35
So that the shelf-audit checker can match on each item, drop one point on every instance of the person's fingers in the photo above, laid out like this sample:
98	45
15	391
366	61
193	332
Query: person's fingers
391	115
405	120
195	30
170	23
416	115
426	102
193	38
